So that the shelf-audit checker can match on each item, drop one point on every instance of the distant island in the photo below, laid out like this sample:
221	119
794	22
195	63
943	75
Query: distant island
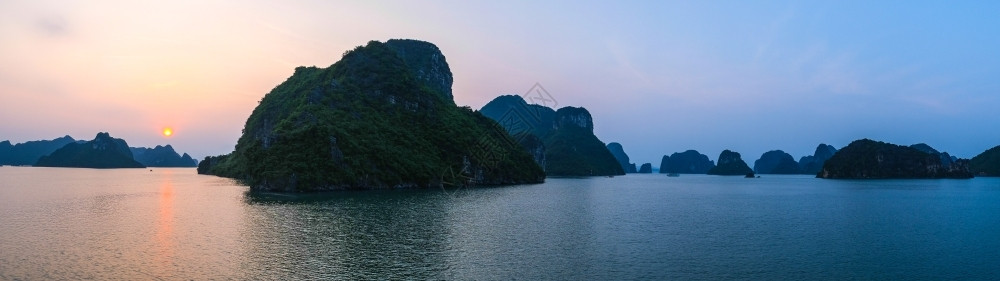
771	162
567	136
813	164
27	153
647	168
730	164
868	159
162	156
382	117
687	162
101	152
776	162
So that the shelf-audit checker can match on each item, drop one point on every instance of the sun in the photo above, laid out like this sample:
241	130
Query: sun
168	132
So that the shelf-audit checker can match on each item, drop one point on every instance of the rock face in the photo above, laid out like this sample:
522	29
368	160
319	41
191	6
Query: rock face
102	152
730	164
646	168
619	153
379	118
776	162
687	162
27	153
534	146
986	163
427	63
162	156
571	148
813	164
868	159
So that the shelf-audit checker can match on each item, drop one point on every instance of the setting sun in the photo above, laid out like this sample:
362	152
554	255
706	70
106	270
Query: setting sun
167	132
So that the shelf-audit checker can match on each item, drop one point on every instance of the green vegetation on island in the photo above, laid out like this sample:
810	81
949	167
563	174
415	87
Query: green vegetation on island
571	148
381	117
868	159
101	152
986	163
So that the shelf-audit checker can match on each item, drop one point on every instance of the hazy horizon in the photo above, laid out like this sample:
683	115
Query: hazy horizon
657	77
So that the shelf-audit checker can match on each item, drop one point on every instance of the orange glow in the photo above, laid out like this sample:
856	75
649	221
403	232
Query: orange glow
164	237
167	132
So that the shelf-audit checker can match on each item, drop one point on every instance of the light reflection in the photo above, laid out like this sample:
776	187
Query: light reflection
164	235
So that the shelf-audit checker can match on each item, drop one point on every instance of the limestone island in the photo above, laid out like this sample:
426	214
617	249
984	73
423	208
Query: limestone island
730	164
101	152
382	117
868	159
562	141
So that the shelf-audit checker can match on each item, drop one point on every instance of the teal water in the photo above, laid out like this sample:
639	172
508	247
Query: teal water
172	224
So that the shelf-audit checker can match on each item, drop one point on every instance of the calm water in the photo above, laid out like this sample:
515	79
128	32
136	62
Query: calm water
167	224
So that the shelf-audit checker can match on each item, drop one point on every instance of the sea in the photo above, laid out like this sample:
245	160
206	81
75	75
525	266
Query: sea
173	224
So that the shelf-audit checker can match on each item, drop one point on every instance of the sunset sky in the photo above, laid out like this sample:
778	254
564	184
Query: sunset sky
659	78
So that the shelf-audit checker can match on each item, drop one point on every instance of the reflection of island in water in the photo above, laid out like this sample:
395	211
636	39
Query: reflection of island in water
359	232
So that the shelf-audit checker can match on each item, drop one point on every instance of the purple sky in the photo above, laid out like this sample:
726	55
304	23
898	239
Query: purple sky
658	77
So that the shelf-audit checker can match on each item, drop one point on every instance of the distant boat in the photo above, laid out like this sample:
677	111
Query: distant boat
674	175
750	175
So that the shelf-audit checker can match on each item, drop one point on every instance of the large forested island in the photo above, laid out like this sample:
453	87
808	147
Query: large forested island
868	159
381	117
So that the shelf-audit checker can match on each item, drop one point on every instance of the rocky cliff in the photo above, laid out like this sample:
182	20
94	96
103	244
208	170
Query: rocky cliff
427	64
868	159
571	148
619	153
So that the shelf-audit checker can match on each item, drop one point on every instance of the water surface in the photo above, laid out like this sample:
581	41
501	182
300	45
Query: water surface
172	224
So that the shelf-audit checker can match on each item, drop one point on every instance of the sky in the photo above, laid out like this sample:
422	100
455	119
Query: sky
657	76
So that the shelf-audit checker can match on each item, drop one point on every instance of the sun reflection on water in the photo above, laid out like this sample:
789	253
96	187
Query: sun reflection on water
164	235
